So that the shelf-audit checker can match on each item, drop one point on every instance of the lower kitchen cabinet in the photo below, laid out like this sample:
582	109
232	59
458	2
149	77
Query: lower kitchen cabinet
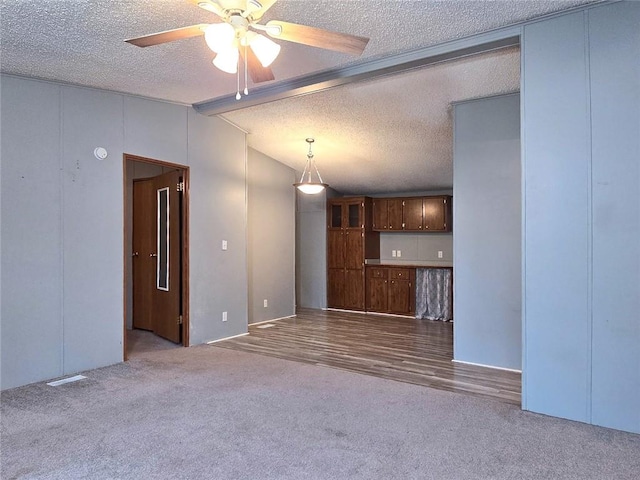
391	290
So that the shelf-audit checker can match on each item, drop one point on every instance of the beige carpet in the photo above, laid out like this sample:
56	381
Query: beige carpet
212	413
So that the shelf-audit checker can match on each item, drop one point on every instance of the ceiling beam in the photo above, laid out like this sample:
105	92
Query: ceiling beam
366	70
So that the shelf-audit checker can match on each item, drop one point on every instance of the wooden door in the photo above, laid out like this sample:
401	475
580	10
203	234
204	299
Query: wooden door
354	250
380	214
335	287
335	249
401	293
167	297
143	245
377	289
412	214
395	214
354	289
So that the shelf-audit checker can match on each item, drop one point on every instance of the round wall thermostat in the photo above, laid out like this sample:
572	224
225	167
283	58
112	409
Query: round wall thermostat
100	153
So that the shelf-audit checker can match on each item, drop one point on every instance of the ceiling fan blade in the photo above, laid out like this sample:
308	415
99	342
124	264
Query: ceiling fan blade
168	35
317	37
210	6
257	72
257	8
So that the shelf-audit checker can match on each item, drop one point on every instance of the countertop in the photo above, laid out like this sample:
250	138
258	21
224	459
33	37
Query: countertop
408	263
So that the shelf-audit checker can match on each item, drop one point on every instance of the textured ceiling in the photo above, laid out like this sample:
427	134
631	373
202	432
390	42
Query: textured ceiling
362	130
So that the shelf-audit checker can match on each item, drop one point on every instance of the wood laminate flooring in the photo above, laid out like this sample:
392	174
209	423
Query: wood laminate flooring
397	348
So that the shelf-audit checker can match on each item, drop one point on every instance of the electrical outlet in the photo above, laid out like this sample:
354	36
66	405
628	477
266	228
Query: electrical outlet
393	253
439	253
224	316
224	244
399	253
266	303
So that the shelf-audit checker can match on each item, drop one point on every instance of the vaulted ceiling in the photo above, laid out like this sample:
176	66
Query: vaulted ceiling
387	134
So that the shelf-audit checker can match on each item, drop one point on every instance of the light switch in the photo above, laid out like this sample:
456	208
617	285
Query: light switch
224	244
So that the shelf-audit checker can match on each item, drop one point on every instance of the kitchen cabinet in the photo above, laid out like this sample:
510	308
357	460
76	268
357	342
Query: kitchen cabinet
350	239
387	214
412	214
391	290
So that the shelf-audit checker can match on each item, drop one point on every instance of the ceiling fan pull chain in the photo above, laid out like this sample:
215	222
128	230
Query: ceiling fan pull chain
238	82
246	88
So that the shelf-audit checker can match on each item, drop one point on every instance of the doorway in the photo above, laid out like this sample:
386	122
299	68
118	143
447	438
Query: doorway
156	313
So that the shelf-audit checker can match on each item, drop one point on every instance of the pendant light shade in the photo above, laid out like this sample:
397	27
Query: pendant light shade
306	183
265	49
227	60
219	36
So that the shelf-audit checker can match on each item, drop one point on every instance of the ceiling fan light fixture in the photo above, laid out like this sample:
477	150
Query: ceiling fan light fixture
227	60
308	186
219	36
266	50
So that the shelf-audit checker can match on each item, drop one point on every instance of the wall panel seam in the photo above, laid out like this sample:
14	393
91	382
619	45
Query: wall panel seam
523	227
61	156
587	54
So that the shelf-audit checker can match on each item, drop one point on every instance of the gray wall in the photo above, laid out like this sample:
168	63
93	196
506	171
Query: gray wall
487	224
271	230
311	250
422	247
581	146
62	222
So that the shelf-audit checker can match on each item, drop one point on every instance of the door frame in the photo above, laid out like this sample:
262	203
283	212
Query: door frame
185	243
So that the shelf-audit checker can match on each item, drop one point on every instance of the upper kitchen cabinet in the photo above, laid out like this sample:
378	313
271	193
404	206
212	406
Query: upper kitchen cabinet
436	213
387	214
412	214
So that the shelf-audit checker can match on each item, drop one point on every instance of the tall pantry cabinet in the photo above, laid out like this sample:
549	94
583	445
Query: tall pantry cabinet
350	239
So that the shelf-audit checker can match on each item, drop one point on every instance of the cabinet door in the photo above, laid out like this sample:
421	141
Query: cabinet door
335	249
395	213
377	290
380	214
354	289
412	214
353	214
335	215
354	249
335	288
435	218
401	291
400	296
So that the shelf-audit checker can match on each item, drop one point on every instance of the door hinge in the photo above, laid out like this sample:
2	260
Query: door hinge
180	187
179	319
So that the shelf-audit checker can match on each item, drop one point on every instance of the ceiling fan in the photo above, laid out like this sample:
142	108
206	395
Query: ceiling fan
240	29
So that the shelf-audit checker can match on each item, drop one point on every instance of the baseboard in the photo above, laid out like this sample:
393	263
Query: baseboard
367	313
487	366
272	320
226	338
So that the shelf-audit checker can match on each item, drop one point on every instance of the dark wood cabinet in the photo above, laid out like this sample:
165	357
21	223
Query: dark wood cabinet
395	214
412	214
402	295
391	290
437	213
380	214
350	239
387	214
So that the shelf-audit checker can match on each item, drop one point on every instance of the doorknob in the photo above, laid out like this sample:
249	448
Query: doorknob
134	254
153	254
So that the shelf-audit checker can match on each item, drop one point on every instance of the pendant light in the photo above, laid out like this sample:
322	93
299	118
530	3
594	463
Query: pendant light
308	186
